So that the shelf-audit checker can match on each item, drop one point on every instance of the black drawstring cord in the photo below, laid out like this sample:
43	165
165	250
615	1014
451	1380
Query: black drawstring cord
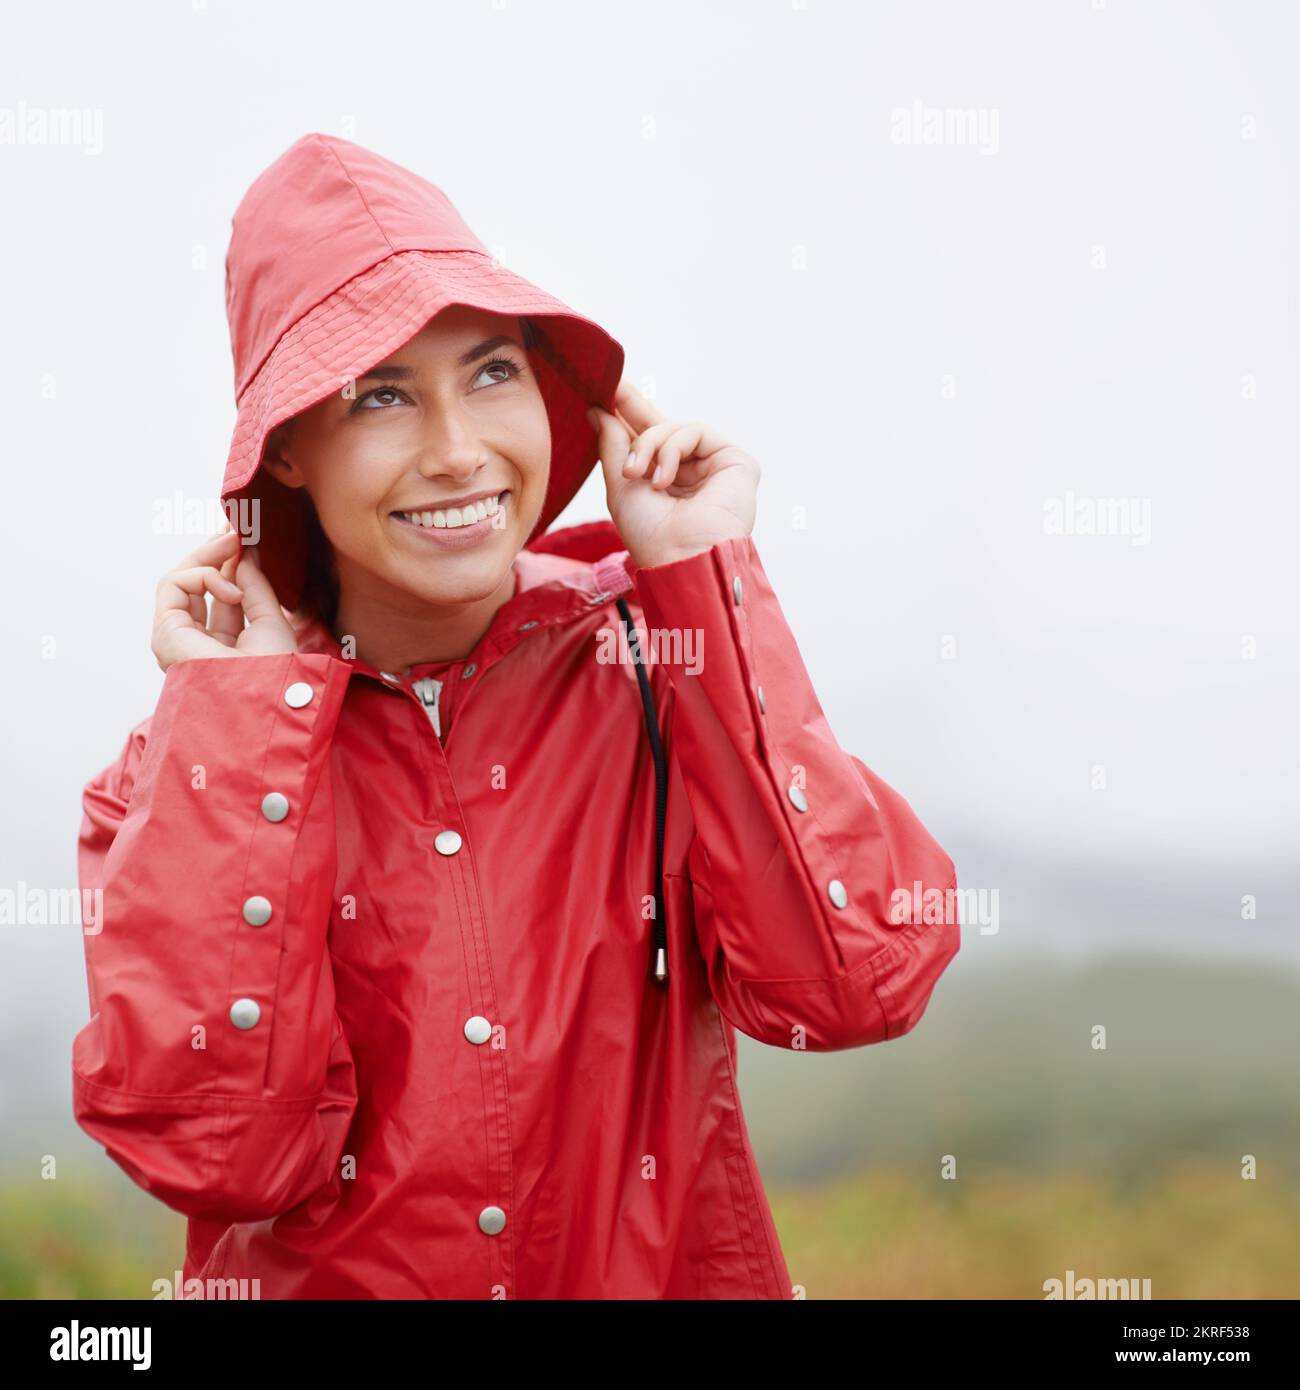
659	932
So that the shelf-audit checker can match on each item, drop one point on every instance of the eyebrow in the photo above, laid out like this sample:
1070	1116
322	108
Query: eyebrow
466	359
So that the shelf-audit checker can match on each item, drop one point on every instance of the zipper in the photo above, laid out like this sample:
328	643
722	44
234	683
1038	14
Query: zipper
428	690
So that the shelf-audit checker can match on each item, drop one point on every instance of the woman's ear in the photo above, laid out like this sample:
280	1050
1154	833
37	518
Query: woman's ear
274	460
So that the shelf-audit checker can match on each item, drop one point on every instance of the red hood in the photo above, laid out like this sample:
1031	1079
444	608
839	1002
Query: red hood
337	257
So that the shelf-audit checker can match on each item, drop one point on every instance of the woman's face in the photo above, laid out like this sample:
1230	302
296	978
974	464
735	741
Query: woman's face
429	480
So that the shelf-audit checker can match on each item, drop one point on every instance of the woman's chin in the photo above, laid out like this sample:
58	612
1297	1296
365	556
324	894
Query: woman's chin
462	580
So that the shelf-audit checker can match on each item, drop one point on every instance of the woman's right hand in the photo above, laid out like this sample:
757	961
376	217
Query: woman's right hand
182	628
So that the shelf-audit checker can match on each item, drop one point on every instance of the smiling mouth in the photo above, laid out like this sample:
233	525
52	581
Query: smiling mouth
454	518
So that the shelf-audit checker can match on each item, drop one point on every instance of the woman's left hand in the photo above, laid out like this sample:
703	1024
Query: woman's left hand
674	490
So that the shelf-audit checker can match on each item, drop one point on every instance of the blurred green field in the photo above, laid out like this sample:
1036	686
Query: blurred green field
73	1239
1196	1231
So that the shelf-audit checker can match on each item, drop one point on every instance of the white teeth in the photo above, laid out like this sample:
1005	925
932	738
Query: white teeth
467	515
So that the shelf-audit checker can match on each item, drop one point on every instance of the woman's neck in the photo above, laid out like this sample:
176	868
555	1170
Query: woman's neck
394	631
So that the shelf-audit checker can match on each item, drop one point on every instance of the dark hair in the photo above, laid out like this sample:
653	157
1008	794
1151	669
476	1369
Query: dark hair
320	593
320	590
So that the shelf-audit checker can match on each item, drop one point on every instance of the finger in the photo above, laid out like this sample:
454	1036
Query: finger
184	592
613	440
178	587
226	639
639	411
623	420
681	443
260	602
641	458
174	640
638	458
213	550
227	622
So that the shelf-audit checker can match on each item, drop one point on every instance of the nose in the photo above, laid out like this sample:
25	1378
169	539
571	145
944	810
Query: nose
451	447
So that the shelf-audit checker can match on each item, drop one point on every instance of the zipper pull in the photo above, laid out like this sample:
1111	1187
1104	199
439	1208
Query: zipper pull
428	690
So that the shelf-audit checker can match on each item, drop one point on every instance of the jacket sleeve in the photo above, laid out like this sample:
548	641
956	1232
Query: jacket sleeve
214	1068
806	868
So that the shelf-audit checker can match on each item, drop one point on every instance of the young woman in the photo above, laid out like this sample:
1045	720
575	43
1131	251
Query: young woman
456	848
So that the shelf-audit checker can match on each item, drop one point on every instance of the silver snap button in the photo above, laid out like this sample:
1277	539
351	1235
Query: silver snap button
838	896
447	842
257	912
800	803
762	703
244	1013
477	1029
469	671
491	1221
388	676
531	623
298	695
736	589
275	806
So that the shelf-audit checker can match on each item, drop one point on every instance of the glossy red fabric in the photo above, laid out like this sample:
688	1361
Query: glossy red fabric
461	1080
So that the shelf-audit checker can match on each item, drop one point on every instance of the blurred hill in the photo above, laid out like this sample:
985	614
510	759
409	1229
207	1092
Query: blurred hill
1000	1072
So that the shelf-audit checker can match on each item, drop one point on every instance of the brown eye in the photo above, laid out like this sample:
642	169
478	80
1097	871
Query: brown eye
505	368
360	402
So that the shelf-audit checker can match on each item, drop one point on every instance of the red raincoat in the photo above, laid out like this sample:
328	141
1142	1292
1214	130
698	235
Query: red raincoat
373	1003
